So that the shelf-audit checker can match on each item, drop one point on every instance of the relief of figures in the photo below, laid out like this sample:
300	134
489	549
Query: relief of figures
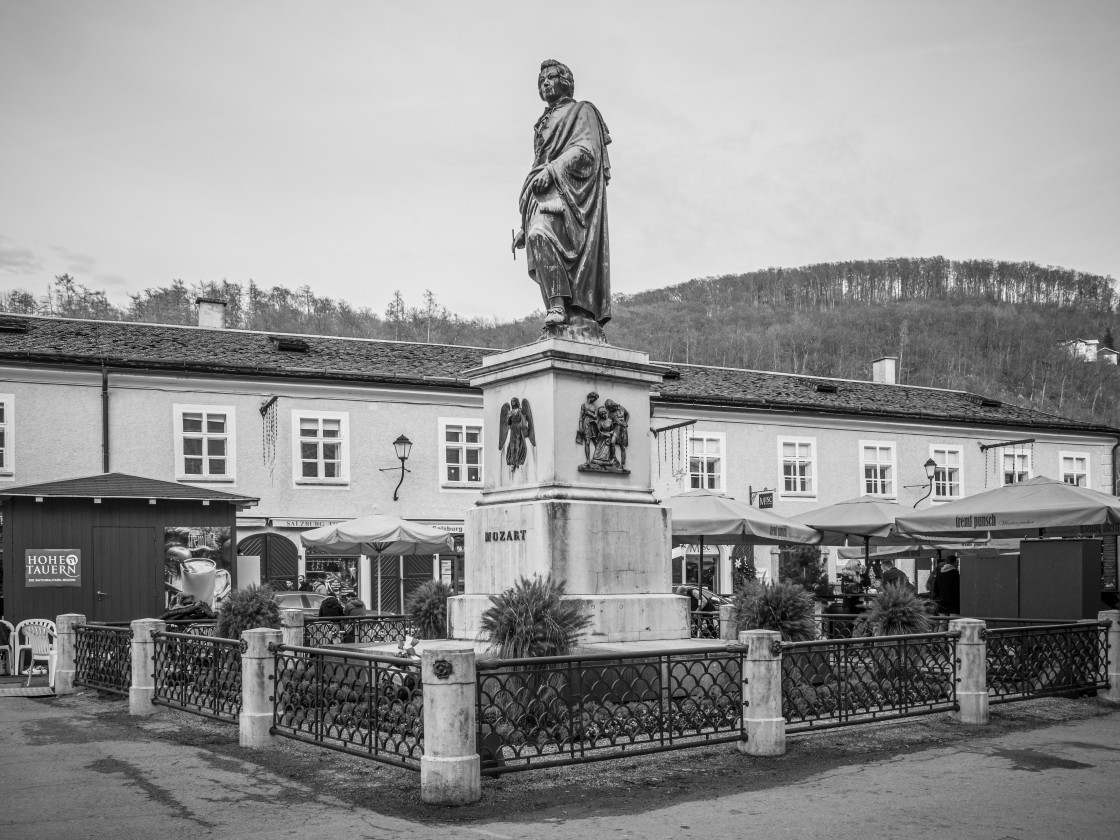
516	427
603	431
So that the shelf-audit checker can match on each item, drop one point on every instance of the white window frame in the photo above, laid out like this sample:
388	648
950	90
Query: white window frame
892	464
444	482
8	447
1029	456
814	475
1085	456
934	448
720	439
298	478
230	435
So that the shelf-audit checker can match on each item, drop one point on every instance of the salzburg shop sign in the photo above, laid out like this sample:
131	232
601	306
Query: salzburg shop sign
52	567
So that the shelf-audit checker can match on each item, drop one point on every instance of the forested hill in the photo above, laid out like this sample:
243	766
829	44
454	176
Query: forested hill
988	327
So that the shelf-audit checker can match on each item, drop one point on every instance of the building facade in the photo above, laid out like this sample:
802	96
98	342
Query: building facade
307	425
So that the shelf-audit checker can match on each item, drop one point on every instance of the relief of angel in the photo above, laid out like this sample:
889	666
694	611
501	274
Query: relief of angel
516	426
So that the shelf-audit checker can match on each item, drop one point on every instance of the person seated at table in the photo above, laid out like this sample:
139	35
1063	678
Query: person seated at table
331	607
893	576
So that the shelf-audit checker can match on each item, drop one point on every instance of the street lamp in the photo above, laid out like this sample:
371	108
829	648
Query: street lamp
402	446
931	471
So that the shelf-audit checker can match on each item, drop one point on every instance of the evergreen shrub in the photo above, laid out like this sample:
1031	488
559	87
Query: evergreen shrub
247	609
427	607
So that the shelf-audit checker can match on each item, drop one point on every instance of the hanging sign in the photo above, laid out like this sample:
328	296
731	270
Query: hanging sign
52	567
766	500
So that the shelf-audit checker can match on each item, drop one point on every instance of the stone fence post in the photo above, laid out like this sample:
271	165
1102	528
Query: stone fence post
763	723
450	767
291	623
727	619
1112	653
258	682
65	650
972	670
143	687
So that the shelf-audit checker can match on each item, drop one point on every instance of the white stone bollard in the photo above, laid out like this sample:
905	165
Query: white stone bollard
143	687
1112	652
972	671
450	768
258	681
65	650
291	624
763	723
727	618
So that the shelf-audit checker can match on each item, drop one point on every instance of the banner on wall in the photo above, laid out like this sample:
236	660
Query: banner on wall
197	563
52	567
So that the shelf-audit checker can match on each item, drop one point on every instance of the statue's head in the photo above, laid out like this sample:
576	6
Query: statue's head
592	397
515	403
555	80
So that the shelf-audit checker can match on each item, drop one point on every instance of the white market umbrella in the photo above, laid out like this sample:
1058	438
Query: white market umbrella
865	518
711	517
379	534
702	515
1022	509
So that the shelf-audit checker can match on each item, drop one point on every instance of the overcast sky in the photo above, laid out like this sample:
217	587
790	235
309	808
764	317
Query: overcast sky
362	146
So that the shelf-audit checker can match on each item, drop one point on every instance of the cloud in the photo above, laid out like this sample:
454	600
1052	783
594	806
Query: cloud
75	261
17	260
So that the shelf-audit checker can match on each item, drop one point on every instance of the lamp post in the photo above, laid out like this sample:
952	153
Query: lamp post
931	471
402	446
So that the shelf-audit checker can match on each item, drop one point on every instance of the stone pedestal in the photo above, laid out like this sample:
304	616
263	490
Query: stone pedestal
599	529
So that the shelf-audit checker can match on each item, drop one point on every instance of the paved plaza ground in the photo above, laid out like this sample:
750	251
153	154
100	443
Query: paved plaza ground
80	767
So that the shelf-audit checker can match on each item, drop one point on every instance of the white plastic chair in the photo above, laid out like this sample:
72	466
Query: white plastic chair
36	636
9	647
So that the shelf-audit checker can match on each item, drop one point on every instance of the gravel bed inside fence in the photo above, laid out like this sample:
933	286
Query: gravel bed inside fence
628	785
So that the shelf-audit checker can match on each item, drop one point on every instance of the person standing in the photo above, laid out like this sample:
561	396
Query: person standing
947	587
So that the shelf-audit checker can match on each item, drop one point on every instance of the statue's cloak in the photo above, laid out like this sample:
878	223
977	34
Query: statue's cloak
570	140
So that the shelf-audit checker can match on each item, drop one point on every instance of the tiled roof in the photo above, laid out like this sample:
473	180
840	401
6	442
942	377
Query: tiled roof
125	344
782	391
122	486
173	348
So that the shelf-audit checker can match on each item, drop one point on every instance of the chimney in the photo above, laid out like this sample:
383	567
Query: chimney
885	370
211	313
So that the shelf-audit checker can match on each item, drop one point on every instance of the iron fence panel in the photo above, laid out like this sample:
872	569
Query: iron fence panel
103	657
192	628
850	681
198	674
365	629
356	703
562	710
1033	661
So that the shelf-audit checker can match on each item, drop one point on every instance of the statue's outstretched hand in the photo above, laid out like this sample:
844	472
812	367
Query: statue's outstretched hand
518	240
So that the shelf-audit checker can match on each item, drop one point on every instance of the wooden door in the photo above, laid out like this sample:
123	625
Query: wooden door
127	573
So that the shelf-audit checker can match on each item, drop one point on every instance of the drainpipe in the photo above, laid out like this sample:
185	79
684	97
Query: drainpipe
105	418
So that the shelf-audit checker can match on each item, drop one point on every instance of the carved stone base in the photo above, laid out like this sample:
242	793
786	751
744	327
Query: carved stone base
614	618
599	468
578	328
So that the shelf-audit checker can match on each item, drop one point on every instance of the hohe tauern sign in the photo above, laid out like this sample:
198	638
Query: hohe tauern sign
53	567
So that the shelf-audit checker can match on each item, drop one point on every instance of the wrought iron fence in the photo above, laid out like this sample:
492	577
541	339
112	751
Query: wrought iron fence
551	711
849	681
193	628
365	629
103	657
198	674
1032	661
352	702
703	624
